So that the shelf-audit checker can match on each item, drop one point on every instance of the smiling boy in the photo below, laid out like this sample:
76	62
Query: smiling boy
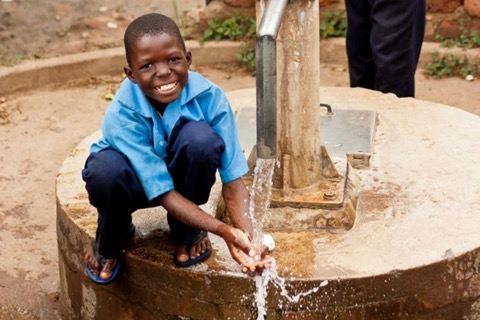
165	134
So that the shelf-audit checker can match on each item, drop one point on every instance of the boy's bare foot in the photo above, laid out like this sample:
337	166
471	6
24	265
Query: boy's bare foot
105	271
184	254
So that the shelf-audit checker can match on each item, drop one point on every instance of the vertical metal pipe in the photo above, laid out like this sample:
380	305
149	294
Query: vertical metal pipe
266	78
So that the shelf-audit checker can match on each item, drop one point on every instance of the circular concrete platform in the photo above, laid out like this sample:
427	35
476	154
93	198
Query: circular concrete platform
413	252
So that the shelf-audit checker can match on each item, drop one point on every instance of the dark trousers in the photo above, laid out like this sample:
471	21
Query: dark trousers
384	39
113	187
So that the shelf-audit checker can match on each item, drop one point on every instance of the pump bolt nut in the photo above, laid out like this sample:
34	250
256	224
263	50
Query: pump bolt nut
329	195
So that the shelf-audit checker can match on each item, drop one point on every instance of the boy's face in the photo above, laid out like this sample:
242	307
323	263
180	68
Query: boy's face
159	65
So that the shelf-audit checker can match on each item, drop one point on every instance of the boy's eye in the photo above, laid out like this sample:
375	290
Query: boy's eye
148	65
174	59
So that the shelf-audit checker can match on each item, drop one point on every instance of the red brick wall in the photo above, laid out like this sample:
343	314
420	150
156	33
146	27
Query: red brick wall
240	3
448	18
451	18
443	5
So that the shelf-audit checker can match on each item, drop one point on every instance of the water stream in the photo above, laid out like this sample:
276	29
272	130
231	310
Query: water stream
260	197
259	204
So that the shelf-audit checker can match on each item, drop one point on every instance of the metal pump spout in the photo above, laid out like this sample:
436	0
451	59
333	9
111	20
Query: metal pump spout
266	78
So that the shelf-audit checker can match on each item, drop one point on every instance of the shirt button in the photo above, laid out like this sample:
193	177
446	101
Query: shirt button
161	143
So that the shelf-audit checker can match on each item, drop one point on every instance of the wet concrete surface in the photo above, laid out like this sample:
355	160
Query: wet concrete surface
30	136
406	229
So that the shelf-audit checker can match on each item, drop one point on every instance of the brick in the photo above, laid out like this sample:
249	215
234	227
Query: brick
474	25
449	29
472	7
218	8
442	5
326	3
240	3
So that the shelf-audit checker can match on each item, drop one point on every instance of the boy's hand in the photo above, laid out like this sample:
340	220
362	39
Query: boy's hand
243	252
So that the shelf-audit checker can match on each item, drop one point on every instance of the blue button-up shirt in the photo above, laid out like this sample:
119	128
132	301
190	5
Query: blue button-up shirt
132	126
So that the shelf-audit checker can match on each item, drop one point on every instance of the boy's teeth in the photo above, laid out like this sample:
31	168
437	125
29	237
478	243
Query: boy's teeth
167	86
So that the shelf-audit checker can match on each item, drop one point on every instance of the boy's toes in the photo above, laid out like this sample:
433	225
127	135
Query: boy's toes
199	251
200	247
92	262
182	255
107	269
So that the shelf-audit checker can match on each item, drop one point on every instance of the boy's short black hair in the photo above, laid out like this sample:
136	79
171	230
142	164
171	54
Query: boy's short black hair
152	24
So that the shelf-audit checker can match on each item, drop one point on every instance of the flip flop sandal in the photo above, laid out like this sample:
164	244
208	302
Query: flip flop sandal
102	261
202	257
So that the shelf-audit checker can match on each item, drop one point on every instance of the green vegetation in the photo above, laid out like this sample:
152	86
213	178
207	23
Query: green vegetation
246	57
466	40
450	65
234	28
333	24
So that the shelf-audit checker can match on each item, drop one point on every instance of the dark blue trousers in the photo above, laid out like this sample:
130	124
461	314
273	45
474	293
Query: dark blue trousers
193	156
384	39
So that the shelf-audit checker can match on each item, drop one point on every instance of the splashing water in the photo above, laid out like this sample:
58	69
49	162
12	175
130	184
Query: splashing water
258	210
260	197
271	275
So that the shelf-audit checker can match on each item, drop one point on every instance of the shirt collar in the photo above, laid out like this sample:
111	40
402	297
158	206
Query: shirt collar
131	96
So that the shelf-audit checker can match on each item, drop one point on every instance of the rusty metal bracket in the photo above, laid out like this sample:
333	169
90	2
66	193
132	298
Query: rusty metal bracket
359	160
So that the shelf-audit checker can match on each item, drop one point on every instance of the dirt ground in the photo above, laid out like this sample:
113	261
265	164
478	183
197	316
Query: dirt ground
37	130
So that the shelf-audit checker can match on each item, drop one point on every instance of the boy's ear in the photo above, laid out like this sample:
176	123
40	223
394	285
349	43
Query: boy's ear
129	73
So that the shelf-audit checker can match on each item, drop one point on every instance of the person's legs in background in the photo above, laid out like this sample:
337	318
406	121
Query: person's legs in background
361	66
398	28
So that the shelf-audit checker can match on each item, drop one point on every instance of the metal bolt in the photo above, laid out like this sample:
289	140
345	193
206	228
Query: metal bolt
329	195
